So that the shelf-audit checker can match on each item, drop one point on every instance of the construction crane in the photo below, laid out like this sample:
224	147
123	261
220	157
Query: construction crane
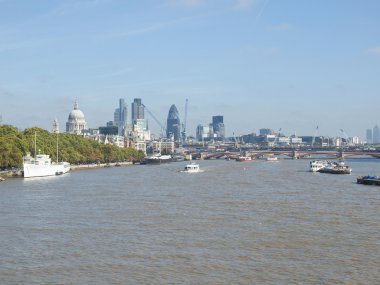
163	128
183	133
315	134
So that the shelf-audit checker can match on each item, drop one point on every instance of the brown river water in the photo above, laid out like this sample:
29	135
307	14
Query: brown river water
235	223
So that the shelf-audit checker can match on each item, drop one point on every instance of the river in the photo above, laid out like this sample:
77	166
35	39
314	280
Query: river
235	223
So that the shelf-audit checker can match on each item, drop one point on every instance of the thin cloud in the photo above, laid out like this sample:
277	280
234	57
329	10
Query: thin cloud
279	28
375	50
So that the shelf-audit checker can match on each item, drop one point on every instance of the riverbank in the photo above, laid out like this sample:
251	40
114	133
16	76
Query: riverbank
18	172
99	165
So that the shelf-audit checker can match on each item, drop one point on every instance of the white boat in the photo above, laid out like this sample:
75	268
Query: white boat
41	165
336	168
271	158
317	165
192	168
158	158
244	159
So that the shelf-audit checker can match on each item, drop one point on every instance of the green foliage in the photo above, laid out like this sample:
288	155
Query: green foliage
72	148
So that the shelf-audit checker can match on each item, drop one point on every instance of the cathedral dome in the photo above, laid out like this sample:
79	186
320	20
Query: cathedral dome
76	122
76	114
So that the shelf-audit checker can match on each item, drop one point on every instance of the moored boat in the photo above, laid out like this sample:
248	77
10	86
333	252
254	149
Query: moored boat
158	159
41	165
368	180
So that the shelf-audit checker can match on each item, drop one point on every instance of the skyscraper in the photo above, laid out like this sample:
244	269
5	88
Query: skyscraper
173	124
376	134
120	117
368	136
218	127
137	110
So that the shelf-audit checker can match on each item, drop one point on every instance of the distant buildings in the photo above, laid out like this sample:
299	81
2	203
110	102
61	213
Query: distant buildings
376	135
120	117
373	135
213	131
173	124
137	110
368	136
218	128
76	122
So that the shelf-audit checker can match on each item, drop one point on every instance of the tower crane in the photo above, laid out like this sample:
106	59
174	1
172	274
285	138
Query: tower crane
163	128
183	133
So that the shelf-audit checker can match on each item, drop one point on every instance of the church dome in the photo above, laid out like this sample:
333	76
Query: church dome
76	123
76	114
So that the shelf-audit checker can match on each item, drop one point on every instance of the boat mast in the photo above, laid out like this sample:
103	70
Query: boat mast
57	147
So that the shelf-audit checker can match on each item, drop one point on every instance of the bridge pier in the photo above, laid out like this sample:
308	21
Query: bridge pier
340	155
295	155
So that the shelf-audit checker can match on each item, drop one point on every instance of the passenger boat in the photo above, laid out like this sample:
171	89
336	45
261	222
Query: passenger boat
368	180
336	168
316	165
158	158
192	168
244	159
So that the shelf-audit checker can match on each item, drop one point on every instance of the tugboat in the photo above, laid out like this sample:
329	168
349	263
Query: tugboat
368	180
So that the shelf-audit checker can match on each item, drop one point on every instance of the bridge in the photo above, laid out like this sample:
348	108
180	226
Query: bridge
293	154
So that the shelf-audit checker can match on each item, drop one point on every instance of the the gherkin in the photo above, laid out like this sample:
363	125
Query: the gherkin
173	124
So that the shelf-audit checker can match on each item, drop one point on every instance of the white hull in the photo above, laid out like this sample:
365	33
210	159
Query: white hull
192	168
33	170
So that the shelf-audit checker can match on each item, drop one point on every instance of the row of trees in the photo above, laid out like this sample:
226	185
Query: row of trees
72	148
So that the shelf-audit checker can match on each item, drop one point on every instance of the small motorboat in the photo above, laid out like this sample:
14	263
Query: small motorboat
192	168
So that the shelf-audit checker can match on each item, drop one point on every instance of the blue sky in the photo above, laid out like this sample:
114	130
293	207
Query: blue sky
291	64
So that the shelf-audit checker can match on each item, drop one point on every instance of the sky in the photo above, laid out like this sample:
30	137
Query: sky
292	64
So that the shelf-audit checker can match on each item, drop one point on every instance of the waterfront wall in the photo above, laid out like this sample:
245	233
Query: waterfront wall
18	172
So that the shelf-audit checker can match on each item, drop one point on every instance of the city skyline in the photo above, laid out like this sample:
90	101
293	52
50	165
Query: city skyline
261	64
